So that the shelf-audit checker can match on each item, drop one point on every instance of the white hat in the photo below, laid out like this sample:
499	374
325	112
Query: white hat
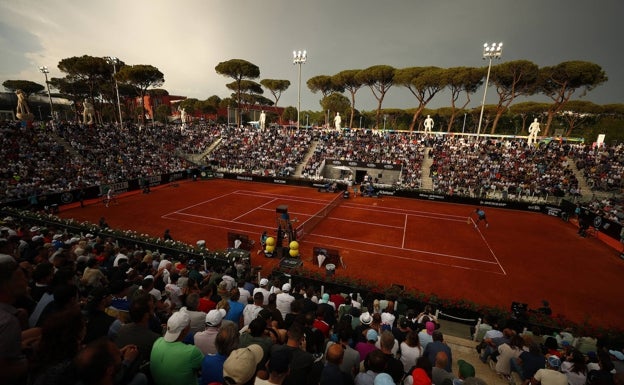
149	276
215	316
240	366
264	282
286	287
176	324
57	236
37	238
365	318
34	229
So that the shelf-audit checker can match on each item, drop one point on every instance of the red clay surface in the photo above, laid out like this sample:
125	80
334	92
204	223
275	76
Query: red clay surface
429	246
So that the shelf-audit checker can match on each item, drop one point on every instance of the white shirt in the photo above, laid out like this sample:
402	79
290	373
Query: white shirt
282	303
244	296
264	292
250	313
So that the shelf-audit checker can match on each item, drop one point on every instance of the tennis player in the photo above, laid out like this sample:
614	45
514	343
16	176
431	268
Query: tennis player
481	217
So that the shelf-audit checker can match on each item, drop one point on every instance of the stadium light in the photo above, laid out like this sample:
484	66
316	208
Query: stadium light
114	61
299	57
490	51
44	70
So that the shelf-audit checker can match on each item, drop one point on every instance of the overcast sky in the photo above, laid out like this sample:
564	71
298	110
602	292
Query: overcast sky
186	39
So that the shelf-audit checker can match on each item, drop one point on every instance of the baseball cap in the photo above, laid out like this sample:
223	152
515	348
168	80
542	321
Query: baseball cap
371	335
215	316
465	369
264	282
175	324
383	379
325	298
286	287
240	366
554	362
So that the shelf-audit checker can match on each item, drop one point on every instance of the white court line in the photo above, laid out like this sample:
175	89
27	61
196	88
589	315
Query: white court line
285	197
404	232
201	203
401	211
353	206
252	210
236	229
401	248
412	259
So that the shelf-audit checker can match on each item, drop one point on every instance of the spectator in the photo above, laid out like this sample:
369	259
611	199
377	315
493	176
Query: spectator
171	361
365	348
410	350
464	372
305	369
251	311
205	340
438	345
350	364
226	341
284	299
137	331
438	373
376	365
13	284
551	374
278	368
425	336
332	374
240	366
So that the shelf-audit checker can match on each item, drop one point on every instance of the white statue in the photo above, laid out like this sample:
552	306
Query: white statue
87	112
262	120
182	116
22	111
428	124
337	121
534	129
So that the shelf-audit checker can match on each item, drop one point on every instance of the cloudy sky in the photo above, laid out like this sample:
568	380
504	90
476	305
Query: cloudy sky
186	39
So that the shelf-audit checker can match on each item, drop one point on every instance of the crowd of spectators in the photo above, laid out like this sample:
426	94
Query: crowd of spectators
272	151
71	156
67	156
602	167
509	168
371	146
89	310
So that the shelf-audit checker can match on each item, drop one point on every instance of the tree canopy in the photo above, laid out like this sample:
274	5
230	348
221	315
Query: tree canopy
561	81
25	85
379	79
239	70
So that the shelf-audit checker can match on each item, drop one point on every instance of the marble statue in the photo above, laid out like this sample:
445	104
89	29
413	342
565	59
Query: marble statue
534	129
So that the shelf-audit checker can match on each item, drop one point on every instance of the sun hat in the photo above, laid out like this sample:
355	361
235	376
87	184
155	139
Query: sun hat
240	366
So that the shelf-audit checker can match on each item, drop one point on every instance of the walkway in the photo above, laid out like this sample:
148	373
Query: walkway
426	181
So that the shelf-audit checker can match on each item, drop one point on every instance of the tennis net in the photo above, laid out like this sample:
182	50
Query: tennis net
308	226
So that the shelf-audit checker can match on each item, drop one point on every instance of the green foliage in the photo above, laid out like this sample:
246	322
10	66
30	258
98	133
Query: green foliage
92	71
239	70
275	87
25	85
379	79
289	114
162	113
336	103
323	84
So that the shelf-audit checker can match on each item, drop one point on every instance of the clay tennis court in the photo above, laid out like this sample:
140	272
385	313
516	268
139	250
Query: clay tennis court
429	246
